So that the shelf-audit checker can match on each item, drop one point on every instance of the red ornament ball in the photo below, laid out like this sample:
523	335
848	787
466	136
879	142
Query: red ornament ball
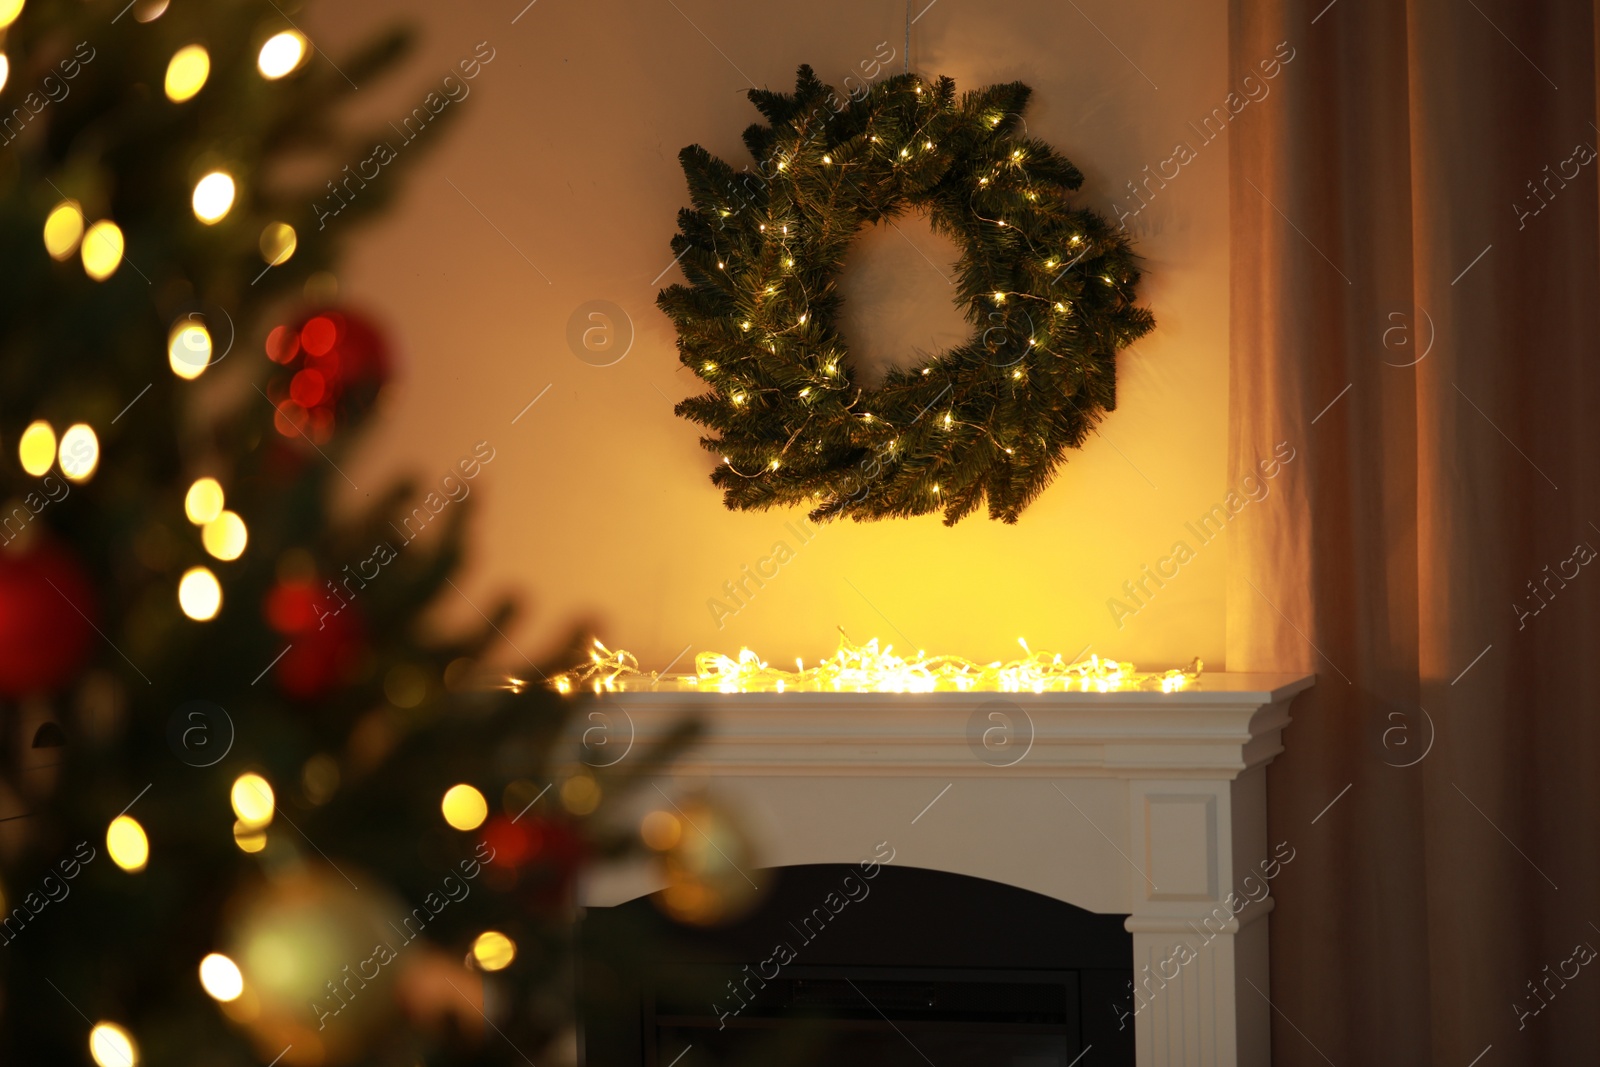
326	634
46	602
340	361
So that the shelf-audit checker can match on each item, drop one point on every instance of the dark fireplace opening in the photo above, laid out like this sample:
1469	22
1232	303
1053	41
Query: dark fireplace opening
912	967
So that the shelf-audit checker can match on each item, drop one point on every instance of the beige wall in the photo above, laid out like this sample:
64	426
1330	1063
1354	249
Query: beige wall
597	502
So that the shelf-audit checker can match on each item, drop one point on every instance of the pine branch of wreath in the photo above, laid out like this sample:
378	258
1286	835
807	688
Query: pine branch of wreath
989	420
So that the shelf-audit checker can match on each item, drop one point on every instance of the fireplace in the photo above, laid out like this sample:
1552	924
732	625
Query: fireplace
1065	869
919	964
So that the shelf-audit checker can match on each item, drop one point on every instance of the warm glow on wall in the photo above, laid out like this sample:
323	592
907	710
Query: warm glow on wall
187	72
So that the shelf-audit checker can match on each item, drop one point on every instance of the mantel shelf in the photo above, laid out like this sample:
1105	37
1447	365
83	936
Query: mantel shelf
1221	728
1135	802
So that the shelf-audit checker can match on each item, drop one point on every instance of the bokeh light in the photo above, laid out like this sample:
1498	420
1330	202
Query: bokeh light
63	229
79	453
660	830
493	951
249	838
281	54
5	70
9	10
213	197
204	500
199	594
464	807
189	349
111	1045
278	242
220	977
37	448
102	250
187	72
253	800
580	794
127	844
225	536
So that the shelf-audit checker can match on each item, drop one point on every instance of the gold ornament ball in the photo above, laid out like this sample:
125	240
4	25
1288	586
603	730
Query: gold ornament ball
711	866
320	961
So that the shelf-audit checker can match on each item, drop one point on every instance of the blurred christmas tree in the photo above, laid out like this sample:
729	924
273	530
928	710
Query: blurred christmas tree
250	812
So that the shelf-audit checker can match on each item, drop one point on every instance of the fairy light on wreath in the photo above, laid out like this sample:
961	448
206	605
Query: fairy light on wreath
1049	285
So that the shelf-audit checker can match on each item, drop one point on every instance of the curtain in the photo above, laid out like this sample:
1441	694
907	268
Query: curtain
1415	294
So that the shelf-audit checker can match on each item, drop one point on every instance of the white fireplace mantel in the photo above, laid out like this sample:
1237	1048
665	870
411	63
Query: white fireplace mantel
1141	803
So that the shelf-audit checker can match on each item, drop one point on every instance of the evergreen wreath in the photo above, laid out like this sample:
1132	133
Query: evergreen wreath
1047	287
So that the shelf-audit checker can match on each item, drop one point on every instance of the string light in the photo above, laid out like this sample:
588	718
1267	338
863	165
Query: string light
213	197
110	1044
203	502
63	229
199	594
220	978
102	250
79	453
249	838
253	801
37	448
9	10
464	807
187	72
189	349
278	242
281	54
493	951
868	668
225	536
5	70
127	844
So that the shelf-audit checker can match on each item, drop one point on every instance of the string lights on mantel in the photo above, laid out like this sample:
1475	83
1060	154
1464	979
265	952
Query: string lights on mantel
866	668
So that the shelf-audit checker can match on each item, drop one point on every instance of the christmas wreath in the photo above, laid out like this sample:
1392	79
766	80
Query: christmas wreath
1048	288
